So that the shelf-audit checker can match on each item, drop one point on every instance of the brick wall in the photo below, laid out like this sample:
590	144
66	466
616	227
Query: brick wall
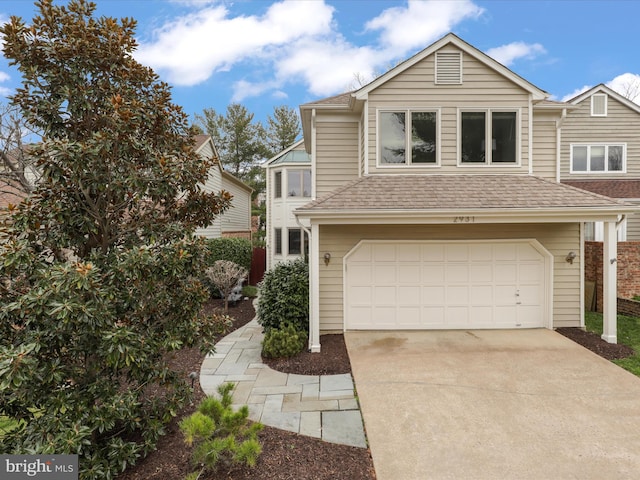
628	271
627	307
242	234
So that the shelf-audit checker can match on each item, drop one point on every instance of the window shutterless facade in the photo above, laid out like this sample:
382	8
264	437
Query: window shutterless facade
299	183
598	158
488	137
409	137
277	240
277	188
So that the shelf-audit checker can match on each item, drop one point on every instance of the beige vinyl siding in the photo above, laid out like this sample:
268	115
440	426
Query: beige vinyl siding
482	87
544	146
621	125
559	239
633	225
238	217
212	184
336	155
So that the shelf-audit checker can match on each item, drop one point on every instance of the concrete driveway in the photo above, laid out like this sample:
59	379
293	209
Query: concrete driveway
499	404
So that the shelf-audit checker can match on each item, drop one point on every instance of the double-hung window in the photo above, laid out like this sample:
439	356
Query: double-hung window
488	137
598	158
408	137
299	183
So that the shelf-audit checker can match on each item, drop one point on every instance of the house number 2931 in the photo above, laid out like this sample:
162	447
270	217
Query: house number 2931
464	219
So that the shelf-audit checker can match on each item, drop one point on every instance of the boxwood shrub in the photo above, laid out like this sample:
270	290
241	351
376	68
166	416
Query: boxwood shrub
284	296
236	250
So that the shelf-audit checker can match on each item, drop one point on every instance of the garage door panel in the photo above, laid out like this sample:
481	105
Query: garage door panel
433	295
457	273
385	274
457	252
418	285
409	274
481	273
458	295
482	295
384	296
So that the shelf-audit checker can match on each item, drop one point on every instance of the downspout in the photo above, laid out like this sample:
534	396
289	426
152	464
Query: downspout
559	141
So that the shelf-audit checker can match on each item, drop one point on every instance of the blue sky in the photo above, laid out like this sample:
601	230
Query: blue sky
265	53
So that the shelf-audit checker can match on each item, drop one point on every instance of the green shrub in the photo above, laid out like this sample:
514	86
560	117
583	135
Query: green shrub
220	436
236	250
285	342
284	296
250	291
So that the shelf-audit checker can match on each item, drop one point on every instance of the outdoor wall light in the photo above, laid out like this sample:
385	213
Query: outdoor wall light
570	257
327	258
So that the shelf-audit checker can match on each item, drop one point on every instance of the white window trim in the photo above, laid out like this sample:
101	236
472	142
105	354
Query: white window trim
284	183
606	164
606	104
408	111
488	111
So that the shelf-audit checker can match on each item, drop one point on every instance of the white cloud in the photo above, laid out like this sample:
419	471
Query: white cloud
507	54
576	92
294	42
191	48
627	85
420	22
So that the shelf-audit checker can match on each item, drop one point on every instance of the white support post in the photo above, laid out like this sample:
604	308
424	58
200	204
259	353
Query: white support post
314	290
609	283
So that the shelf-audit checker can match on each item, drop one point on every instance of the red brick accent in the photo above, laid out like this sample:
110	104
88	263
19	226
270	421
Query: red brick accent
241	234
628	276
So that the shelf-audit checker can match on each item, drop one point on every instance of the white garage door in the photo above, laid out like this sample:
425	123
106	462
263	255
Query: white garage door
446	285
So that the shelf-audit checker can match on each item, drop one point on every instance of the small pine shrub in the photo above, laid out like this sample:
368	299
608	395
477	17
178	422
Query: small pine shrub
219	436
285	342
284	296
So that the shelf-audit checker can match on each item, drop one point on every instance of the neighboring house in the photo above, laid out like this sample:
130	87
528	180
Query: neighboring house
600	151
436	203
236	221
289	186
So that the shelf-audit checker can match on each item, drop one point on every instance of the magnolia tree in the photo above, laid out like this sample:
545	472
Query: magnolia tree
99	276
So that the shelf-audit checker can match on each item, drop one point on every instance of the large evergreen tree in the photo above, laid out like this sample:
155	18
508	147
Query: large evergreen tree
99	276
283	129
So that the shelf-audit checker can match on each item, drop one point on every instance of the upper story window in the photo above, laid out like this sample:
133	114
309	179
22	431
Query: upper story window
277	188
599	105
408	137
299	183
488	137
598	158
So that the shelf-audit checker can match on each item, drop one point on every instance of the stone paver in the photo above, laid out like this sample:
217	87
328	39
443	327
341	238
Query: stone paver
317	406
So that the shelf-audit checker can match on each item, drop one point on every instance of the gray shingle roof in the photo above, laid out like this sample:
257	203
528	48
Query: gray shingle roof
446	192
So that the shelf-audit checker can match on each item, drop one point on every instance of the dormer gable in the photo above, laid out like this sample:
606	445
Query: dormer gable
599	97
450	52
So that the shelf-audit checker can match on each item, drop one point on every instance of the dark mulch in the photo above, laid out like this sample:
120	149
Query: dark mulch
593	342
285	455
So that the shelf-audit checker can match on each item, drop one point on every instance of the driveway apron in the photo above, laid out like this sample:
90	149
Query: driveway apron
525	404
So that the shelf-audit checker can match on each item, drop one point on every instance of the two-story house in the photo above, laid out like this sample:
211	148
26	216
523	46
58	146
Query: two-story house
289	186
436	203
236	221
600	133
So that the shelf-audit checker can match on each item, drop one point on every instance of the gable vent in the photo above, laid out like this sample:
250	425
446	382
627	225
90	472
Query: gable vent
599	105
449	68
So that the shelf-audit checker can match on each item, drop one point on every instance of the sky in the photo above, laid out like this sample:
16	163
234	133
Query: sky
264	54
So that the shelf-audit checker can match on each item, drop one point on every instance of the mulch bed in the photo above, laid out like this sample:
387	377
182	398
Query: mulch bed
592	341
285	455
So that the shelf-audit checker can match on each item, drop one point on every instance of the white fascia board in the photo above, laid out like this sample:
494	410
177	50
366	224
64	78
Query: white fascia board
461	217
